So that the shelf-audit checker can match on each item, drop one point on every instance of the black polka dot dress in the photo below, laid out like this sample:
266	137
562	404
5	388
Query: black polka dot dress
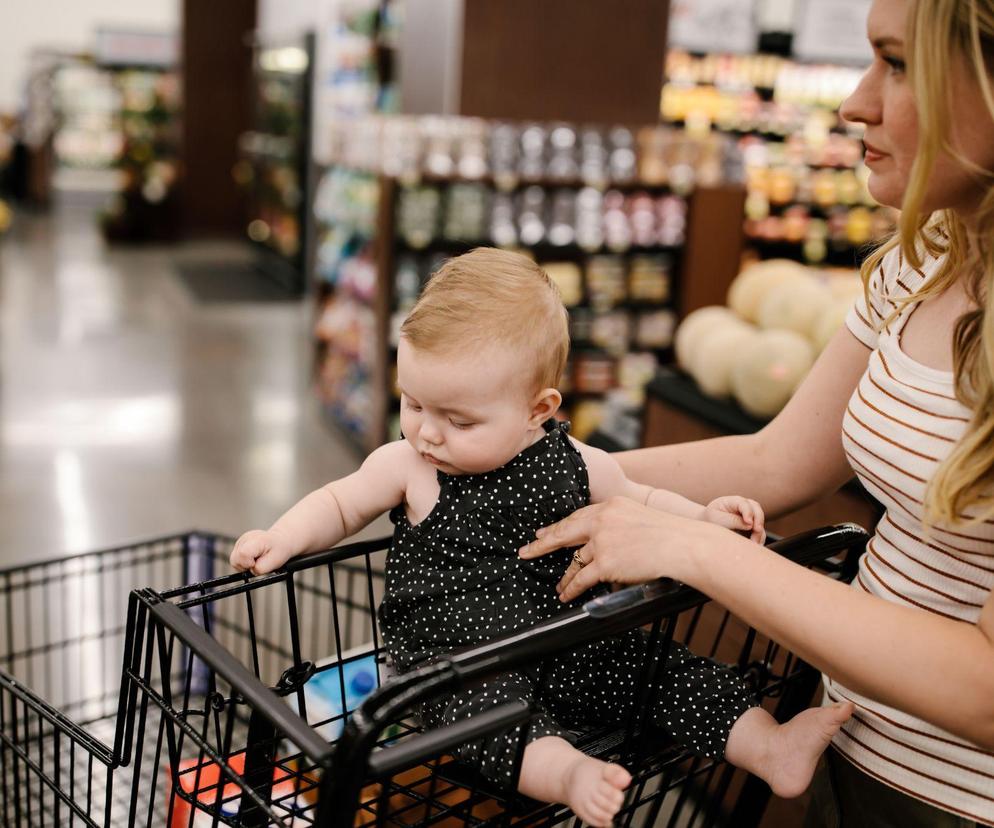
455	580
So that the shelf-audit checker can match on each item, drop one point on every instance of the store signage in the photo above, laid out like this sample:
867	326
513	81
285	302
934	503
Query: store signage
833	31
136	48
713	25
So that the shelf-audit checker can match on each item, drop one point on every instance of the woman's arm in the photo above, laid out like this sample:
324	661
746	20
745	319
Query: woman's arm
884	651
607	480
887	652
795	460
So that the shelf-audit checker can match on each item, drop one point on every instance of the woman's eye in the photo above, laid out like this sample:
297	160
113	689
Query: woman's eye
896	65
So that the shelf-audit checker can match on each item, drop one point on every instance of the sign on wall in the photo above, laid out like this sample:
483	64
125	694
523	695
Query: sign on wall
833	31
713	25
128	47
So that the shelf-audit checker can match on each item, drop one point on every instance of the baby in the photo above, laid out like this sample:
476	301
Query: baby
482	465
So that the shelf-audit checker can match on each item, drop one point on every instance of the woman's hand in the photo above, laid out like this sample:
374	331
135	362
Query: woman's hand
623	542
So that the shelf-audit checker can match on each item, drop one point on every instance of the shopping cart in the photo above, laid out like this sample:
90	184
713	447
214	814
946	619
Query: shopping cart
267	701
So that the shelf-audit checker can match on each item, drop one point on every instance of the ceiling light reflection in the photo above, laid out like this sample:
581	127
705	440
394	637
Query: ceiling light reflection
76	527
122	421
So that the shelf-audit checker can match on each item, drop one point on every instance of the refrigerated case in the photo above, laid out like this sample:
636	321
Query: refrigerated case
275	160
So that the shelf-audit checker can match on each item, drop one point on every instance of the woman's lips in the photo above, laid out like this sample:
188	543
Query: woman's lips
872	154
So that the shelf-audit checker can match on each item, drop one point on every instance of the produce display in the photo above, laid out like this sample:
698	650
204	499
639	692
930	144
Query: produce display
146	207
779	317
769	369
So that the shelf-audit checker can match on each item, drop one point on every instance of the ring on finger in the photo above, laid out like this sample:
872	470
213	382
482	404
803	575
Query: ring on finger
578	560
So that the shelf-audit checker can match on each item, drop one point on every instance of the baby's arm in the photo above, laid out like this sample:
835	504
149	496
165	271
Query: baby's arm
331	513
607	480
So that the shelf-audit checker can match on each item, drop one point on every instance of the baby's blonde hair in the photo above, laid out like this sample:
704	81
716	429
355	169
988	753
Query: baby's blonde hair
494	297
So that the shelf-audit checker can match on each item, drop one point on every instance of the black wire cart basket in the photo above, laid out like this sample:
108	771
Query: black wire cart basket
267	701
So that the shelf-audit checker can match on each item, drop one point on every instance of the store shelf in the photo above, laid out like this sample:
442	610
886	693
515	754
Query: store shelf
389	252
836	255
625	299
516	184
274	166
116	132
541	252
792	141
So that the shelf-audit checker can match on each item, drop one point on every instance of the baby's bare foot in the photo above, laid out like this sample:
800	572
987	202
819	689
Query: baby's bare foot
595	790
795	747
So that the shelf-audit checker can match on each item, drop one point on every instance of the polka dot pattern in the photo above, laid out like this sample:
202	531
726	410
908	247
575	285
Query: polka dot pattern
455	580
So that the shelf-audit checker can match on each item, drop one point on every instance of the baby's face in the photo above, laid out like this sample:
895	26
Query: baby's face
464	414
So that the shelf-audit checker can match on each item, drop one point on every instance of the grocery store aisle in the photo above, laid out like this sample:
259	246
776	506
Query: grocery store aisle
127	410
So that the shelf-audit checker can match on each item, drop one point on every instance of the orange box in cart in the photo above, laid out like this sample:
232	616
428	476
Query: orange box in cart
293	794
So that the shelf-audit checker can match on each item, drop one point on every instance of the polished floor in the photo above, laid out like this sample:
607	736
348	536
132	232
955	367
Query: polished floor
128	410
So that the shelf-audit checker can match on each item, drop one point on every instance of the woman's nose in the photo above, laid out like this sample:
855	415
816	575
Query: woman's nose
863	105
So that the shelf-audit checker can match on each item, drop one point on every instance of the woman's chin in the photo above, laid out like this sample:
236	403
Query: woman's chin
884	192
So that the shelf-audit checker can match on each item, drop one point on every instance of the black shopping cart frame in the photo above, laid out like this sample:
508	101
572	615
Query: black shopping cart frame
125	700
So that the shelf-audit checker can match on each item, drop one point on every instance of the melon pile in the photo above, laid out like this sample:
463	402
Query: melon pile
780	315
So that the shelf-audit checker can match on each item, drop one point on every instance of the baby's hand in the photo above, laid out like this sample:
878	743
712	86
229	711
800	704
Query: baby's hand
738	513
260	552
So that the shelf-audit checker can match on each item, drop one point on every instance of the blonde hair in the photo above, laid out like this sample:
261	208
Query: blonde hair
490	296
939	32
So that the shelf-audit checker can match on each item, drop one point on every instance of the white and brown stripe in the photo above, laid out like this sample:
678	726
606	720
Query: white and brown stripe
900	422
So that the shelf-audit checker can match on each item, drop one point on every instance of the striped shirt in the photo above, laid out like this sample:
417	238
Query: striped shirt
901	421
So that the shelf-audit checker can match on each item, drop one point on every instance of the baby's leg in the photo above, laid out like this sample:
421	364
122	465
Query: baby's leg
494	757
700	700
708	707
552	770
784	755
555	771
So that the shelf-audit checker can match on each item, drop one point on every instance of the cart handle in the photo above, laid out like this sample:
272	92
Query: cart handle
608	614
630	607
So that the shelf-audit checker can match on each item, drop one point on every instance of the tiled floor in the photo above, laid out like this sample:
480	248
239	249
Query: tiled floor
128	410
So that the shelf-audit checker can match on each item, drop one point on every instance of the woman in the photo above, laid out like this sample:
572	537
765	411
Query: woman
908	386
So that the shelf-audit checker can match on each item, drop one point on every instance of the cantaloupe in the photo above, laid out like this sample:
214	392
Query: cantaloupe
829	321
716	354
794	306
698	324
750	287
770	368
845	284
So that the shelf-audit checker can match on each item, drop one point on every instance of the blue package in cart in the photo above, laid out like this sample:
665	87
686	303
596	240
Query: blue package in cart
337	688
